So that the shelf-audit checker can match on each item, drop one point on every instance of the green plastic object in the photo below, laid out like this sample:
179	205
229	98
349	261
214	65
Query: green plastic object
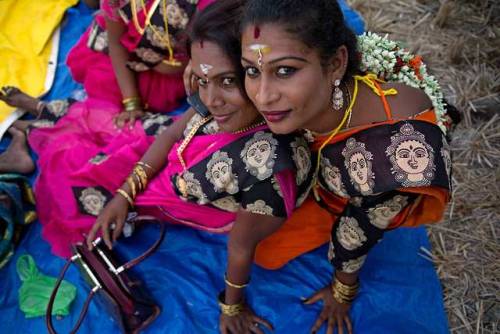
36	288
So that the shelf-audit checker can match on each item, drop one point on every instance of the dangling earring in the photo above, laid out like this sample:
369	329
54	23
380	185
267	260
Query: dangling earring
338	96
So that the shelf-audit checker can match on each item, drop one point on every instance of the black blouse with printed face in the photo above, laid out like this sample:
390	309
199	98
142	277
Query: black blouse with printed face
372	169
243	174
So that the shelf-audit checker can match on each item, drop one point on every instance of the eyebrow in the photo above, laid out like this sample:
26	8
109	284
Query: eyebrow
279	59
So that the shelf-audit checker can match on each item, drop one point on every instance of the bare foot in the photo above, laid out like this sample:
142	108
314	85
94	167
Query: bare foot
16	159
14	97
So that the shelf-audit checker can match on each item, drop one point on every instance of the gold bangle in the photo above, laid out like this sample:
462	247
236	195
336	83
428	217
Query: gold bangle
232	285
127	196
339	297
131	99
344	293
229	310
145	164
347	289
132	106
138	179
131	184
143	177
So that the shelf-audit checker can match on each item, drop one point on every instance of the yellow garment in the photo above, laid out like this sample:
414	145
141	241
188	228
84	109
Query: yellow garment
26	29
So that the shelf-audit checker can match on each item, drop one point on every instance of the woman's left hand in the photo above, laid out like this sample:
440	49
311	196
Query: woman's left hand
244	323
333	313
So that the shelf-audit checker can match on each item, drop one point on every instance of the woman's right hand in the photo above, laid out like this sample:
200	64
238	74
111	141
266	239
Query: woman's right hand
127	117
244	323
113	217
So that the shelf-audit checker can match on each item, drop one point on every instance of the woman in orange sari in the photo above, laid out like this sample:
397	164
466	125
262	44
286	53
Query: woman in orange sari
381	156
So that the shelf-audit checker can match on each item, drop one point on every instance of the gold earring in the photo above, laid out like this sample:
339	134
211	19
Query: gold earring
338	96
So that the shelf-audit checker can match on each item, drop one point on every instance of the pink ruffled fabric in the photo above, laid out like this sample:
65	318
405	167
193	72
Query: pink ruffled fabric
68	167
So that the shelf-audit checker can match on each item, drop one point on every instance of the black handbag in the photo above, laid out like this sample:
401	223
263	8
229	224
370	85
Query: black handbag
115	289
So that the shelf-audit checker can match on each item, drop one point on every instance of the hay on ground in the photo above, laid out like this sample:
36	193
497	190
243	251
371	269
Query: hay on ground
460	41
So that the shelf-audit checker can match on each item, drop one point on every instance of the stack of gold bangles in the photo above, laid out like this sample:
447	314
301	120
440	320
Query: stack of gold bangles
233	309
229	310
132	104
137	182
343	293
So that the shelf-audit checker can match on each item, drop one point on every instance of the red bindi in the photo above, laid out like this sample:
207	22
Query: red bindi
256	32
201	44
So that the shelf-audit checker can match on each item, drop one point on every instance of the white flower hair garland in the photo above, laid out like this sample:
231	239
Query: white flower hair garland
392	63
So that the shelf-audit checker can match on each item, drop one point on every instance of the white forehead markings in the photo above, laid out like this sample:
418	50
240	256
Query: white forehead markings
205	68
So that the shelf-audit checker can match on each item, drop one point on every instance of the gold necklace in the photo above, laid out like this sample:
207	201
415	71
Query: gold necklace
180	180
163	37
148	14
248	128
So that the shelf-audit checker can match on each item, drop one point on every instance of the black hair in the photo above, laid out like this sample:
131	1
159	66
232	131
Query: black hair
319	24
219	23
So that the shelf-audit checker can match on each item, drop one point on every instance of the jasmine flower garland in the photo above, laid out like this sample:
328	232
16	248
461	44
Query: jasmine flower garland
390	62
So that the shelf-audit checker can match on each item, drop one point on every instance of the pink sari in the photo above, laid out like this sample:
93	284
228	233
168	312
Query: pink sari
61	212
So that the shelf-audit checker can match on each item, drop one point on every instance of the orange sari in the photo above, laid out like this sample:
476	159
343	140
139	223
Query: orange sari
310	225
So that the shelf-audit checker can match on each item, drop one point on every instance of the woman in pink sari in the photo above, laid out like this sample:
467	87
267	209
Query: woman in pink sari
226	172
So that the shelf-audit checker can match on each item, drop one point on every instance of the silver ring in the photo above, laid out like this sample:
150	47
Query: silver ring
112	226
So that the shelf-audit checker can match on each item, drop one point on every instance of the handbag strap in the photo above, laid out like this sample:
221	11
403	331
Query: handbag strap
151	249
50	306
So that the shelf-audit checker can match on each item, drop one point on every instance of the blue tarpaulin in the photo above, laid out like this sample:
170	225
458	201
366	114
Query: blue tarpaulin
400	291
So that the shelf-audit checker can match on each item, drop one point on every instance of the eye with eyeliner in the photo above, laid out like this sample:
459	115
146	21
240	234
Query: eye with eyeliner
202	82
285	71
251	71
228	82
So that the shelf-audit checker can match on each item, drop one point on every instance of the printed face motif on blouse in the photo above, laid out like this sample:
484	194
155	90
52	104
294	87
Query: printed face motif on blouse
333	178
193	187
411	157
354	265
382	214
358	162
155	123
92	200
259	155
220	173
302	158
227	204
176	16
349	234
148	55
157	36
260	207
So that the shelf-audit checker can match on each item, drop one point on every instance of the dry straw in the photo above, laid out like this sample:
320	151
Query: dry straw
460	42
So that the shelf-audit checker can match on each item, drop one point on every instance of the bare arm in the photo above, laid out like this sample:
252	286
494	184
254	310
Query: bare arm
157	153
119	57
248	230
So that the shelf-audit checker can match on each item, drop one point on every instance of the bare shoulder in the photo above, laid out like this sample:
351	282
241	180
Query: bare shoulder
408	102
